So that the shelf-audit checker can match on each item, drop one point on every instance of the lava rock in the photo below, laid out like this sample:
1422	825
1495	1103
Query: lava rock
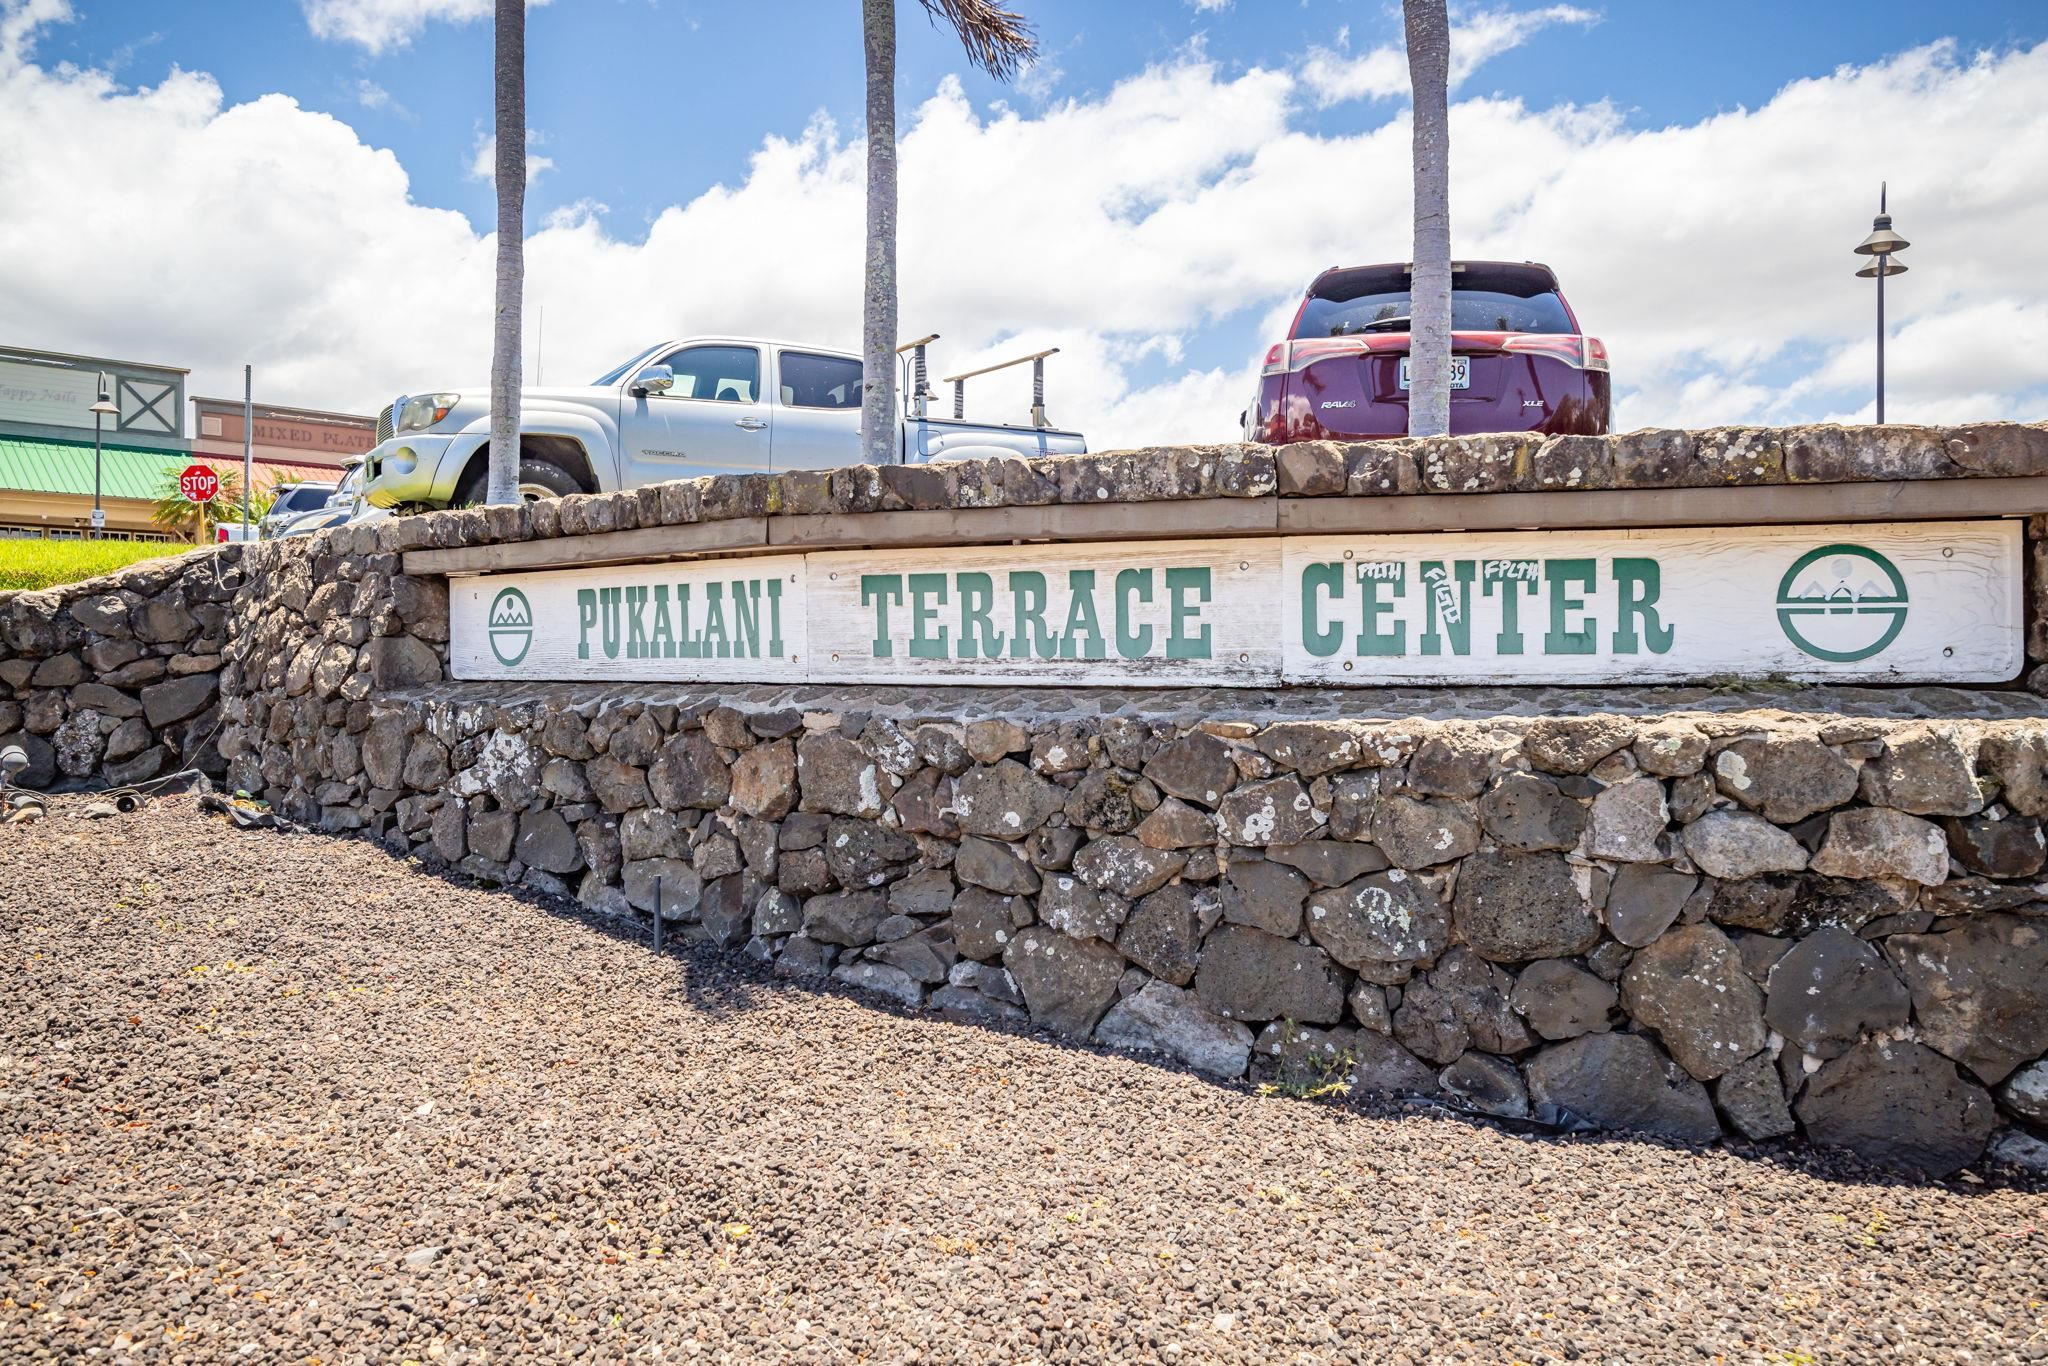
1161	1018
1980	990
1872	842
1691	988
1515	907
1786	777
1620	1081
1067	983
1561	1001
1830	989
1898	1104
1732	844
1531	814
1247	974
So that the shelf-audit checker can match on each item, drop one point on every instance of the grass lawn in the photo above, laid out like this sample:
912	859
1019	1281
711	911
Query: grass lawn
43	564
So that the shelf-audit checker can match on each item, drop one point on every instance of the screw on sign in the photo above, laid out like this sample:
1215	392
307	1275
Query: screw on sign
199	484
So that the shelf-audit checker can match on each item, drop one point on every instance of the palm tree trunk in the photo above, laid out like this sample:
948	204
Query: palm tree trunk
1429	309
510	77
878	311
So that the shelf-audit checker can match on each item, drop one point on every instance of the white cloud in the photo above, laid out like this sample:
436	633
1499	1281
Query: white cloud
371	95
1713	257
483	162
379	25
1382	73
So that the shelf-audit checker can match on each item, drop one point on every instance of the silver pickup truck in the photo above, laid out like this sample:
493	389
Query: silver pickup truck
707	405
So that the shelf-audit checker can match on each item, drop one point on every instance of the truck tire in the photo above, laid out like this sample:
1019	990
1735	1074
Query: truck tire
537	479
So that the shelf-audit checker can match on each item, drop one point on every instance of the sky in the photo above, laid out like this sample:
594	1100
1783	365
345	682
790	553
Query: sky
303	185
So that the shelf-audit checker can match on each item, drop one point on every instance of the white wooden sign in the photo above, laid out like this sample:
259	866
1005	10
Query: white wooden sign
1900	603
1904	602
1159	613
703	621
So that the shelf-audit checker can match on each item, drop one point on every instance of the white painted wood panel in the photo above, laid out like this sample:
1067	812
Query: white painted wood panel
1163	613
1894	603
737	620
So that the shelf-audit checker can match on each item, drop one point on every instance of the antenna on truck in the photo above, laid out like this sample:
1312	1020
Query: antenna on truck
1037	359
920	388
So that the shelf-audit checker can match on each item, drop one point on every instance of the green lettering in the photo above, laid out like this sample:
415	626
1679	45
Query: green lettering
1637	582
636	621
1373	604
714	620
586	619
1029	584
925	590
1179	583
608	607
881	590
663	641
1081	618
775	617
1512	577
978	634
1561	573
1319	583
746	618
1132	644
1442	604
689	645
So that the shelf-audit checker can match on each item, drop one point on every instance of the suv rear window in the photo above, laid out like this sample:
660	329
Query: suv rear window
1376	299
303	497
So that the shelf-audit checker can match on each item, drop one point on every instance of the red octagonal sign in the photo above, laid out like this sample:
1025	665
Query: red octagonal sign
199	483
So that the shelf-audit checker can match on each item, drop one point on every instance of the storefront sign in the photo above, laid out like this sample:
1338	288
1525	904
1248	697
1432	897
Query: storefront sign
1906	602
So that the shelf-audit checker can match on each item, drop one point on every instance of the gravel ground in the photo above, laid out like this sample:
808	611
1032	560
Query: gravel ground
283	1097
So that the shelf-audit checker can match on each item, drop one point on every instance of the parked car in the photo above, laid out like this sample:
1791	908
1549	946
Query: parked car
708	405
1519	360
289	502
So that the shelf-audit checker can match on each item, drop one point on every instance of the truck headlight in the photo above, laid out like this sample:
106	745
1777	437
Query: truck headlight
420	413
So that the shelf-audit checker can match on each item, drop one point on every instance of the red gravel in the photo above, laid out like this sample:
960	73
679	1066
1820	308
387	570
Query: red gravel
283	1097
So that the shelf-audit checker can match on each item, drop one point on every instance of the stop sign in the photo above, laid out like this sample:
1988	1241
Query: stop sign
199	483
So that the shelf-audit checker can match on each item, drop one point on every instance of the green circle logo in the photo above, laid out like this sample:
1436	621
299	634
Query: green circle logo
511	626
1842	603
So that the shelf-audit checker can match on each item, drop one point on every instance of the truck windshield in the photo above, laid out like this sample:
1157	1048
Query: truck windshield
1376	300
613	376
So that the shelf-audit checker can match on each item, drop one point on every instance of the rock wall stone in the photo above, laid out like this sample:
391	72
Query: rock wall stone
1696	922
117	680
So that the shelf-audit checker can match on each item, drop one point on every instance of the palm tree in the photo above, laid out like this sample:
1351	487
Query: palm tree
510	80
999	42
1429	290
175	513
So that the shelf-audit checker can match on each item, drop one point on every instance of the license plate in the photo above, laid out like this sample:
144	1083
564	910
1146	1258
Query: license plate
1461	372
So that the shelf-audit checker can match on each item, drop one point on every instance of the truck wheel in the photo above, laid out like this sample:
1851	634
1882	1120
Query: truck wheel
538	479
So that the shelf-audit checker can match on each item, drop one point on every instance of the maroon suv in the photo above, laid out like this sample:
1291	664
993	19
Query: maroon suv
1518	360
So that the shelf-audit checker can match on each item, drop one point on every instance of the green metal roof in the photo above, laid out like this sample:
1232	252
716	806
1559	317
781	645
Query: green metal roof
28	465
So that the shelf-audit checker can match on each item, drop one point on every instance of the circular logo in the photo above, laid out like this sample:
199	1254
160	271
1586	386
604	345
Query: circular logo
511	626
1842	603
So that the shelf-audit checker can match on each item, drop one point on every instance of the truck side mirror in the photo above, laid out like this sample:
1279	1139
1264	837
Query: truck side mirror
654	379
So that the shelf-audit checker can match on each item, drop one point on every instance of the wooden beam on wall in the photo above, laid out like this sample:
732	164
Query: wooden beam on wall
1761	505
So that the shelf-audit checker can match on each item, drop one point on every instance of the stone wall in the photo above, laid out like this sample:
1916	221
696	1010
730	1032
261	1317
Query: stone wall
117	680
1657	909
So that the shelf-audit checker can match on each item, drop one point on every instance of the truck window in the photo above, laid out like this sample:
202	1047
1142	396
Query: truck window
810	381
724	374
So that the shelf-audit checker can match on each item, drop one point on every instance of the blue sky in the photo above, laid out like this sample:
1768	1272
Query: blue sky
642	103
1152	196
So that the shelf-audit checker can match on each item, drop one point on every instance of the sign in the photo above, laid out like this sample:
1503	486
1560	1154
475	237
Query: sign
199	484
99	519
704	621
1904	602
47	395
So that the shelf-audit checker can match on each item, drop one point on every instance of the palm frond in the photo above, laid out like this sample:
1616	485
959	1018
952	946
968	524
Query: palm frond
999	41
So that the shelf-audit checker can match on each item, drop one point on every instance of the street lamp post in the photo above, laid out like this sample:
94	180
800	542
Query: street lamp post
1880	247
102	408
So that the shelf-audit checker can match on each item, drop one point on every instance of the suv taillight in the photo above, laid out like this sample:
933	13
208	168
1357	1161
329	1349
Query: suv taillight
1581	353
1276	360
